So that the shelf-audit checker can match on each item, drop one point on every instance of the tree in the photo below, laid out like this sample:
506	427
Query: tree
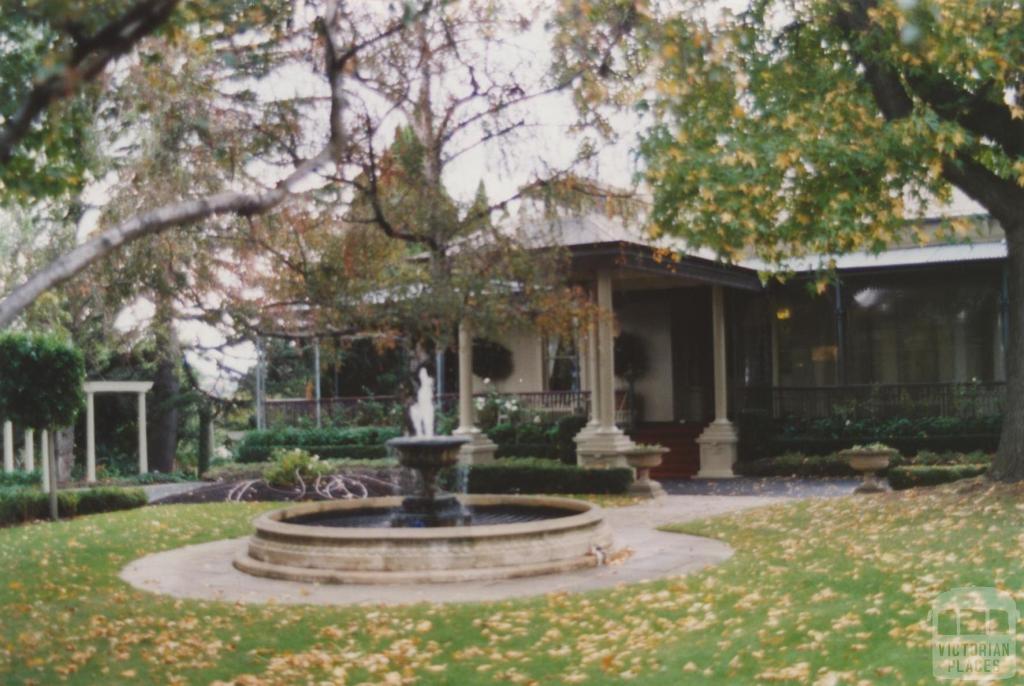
817	127
41	381
83	51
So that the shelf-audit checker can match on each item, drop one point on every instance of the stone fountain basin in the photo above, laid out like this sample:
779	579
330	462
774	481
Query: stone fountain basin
341	555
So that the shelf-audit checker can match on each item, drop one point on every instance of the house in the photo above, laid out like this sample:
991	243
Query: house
905	330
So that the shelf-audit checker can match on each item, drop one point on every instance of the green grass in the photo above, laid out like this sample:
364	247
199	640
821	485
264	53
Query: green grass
836	591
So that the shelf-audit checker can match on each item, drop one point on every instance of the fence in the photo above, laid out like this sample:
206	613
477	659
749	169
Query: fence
385	409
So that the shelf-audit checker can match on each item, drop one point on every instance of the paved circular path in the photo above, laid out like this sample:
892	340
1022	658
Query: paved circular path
774	486
204	571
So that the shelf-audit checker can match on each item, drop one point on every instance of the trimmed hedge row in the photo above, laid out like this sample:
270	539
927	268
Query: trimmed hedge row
913	476
537	475
797	464
763	437
263	453
237	471
8	479
22	504
543	439
834	465
364	442
297	438
510	475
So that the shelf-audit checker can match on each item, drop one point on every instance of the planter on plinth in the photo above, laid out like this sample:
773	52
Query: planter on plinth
869	461
643	458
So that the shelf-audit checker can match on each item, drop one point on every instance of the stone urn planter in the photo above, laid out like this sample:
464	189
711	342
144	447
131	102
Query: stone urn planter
869	460
643	458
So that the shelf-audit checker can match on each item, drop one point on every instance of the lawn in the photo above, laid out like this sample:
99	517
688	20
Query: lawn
832	591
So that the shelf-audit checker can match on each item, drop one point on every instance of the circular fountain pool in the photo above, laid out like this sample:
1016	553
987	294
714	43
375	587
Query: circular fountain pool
354	541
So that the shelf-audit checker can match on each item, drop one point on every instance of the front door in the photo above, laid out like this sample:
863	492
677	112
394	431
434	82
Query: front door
689	320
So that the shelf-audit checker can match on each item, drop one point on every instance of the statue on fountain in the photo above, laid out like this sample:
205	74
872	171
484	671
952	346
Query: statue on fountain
421	414
426	454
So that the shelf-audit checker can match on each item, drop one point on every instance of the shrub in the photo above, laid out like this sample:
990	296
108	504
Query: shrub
352	442
22	504
40	380
237	471
762	436
797	464
291	465
491	360
913	476
108	499
159	478
537	475
263	453
20	479
835	465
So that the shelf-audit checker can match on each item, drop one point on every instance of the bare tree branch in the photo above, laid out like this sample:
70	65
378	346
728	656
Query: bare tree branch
149	223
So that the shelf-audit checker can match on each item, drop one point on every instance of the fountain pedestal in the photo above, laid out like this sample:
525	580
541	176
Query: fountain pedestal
429	506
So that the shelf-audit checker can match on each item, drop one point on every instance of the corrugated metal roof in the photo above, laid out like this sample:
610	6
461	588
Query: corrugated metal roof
897	257
598	228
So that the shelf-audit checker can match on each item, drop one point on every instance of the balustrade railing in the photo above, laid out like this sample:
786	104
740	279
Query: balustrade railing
384	409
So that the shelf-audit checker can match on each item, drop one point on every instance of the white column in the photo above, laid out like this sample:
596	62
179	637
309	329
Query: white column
607	446
29	456
143	450
467	420
8	447
588	341
606	351
718	442
90	438
44	458
594	374
480	448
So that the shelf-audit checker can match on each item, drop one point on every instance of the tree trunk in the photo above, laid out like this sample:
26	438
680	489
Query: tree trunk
205	438
1009	461
163	431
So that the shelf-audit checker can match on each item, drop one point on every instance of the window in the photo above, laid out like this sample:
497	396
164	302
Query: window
561	364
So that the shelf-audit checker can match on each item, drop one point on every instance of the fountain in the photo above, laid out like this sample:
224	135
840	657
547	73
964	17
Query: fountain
427	536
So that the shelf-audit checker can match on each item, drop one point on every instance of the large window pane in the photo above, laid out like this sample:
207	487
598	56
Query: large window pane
805	350
933	326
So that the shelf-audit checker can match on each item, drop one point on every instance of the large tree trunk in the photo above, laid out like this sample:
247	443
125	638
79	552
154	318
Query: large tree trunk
163	424
1009	461
163	432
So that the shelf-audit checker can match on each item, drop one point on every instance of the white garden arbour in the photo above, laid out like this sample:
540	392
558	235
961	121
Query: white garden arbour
140	388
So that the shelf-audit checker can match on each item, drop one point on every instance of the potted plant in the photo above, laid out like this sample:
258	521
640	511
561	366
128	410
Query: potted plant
869	459
643	458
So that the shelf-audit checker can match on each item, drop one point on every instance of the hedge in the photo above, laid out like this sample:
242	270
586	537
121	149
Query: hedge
365	442
834	465
797	464
511	475
8	479
22	504
263	453
913	476
549	439
236	471
538	475
762	436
